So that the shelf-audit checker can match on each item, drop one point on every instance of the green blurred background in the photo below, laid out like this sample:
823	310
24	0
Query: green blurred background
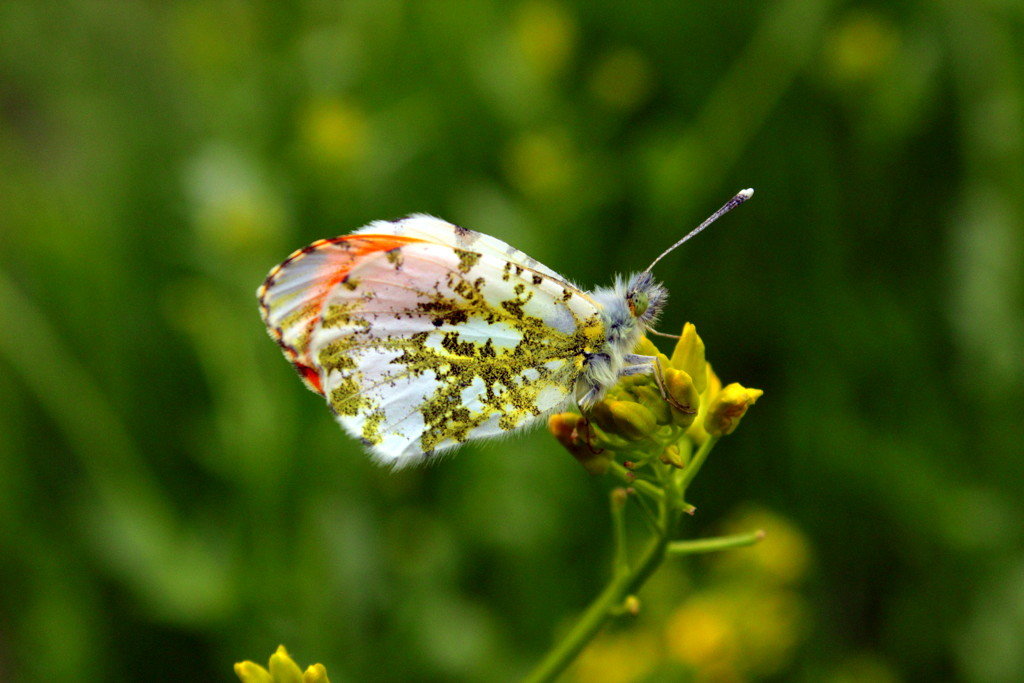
172	500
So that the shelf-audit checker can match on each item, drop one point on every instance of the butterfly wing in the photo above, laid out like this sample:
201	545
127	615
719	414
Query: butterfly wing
419	346
293	294
432	229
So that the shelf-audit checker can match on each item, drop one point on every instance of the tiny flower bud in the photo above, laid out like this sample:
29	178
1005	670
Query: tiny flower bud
672	456
619	496
682	395
631	605
688	356
728	407
571	431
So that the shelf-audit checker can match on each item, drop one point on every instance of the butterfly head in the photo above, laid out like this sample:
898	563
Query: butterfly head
645	298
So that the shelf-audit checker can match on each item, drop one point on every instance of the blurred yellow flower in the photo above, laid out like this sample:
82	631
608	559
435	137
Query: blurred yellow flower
861	46
737	628
619	658
545	33
743	621
541	163
334	132
782	557
282	669
701	633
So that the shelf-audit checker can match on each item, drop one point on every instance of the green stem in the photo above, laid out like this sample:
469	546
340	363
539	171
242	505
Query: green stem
631	479
626	580
605	605
620	564
710	545
691	470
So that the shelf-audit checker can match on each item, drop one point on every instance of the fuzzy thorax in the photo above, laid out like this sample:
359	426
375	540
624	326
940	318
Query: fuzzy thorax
627	308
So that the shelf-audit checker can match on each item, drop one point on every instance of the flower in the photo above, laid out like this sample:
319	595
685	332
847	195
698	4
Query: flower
572	431
629	419
663	414
728	407
282	669
688	356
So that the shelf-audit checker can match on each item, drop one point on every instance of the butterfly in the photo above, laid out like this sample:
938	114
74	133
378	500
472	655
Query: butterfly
422	335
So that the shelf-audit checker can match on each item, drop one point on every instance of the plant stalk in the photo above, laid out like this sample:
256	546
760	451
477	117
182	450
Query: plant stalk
621	586
626	580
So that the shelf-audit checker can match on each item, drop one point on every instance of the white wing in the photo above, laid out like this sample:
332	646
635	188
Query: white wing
419	346
433	229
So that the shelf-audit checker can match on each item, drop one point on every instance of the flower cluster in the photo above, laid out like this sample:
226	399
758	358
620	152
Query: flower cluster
667	413
282	669
663	425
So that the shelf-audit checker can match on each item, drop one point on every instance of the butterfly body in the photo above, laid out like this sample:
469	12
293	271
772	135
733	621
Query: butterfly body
422	335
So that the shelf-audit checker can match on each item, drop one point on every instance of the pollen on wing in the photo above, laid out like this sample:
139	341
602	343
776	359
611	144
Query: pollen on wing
467	259
469	379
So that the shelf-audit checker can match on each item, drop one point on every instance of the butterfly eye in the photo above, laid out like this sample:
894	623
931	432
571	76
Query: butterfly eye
638	303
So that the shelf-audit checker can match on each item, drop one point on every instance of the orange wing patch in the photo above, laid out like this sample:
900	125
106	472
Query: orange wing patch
292	295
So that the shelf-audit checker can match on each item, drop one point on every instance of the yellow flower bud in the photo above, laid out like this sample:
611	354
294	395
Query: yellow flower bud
626	418
688	356
315	673
696	433
682	395
572	431
251	672
645	347
672	456
601	415
650	397
728	407
714	384
283	668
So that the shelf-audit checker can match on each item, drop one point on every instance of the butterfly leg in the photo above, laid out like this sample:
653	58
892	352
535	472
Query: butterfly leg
584	433
638	365
587	401
592	391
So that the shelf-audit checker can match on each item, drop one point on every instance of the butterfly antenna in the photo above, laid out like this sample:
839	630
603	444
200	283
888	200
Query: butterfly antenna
741	196
663	334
